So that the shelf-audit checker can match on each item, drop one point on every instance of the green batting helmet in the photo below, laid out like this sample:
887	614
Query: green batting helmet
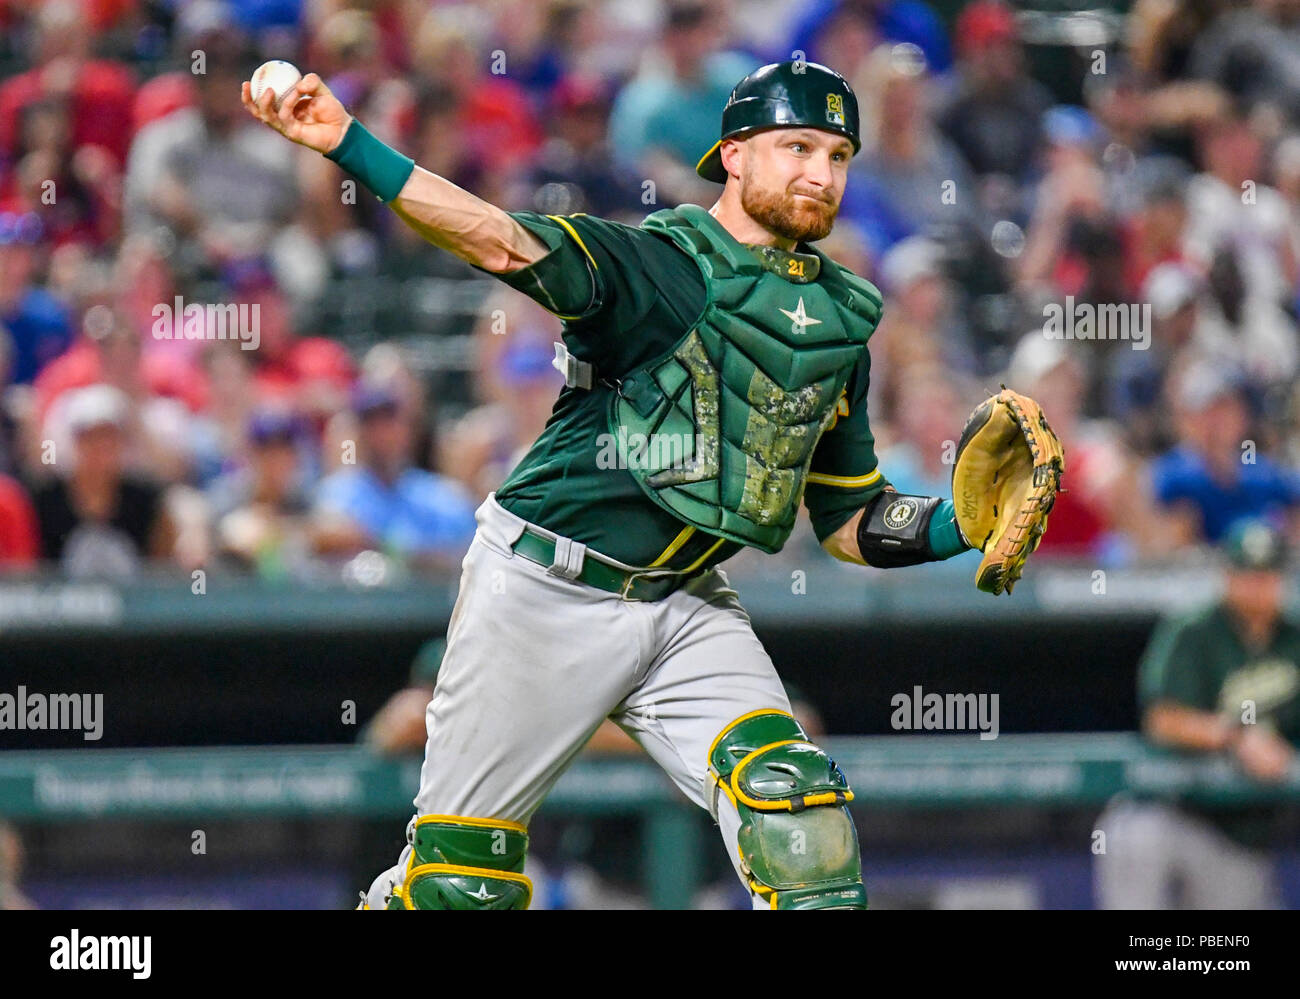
783	95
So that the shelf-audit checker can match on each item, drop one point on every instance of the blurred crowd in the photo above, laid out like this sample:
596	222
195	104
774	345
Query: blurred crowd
1152	161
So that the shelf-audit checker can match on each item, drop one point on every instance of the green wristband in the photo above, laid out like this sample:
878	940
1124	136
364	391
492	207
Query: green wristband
945	539
379	167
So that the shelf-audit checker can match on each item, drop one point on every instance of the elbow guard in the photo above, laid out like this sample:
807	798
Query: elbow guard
895	530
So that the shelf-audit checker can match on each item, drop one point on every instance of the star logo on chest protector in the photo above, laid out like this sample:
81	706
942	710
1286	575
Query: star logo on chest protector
799	317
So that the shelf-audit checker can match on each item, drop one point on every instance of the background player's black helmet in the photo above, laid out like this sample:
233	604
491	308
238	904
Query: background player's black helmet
780	95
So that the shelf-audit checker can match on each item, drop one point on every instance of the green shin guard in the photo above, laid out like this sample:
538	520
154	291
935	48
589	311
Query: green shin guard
459	862
798	846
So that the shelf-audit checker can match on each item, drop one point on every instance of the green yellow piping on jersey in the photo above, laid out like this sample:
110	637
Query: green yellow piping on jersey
845	481
573	233
567	226
674	546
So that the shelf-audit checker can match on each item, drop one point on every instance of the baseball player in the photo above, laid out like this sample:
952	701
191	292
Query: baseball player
1222	677
716	374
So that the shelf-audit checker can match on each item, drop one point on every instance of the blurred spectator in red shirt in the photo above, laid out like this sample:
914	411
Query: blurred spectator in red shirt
1094	517
98	92
310	375
110	351
76	193
1154	234
104	15
19	540
498	123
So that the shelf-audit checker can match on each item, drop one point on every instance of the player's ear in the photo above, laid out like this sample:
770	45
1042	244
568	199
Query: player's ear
732	152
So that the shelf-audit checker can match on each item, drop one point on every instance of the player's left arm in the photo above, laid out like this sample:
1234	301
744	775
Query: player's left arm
857	514
896	529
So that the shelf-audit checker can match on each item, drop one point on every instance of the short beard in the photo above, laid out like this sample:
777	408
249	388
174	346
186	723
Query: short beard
779	213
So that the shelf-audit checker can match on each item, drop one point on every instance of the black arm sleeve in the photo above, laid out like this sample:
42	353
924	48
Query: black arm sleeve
895	530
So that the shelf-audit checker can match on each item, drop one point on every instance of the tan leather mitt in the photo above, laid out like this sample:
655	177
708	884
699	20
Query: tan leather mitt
1004	481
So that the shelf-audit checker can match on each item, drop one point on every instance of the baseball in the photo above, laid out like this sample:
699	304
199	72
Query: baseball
277	76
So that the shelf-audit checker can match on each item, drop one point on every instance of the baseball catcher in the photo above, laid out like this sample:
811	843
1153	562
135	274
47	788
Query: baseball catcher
716	374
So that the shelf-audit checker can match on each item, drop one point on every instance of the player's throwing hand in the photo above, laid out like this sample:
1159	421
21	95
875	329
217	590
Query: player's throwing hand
317	122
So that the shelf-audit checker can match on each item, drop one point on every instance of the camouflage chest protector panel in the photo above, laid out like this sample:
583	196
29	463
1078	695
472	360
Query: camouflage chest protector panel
720	431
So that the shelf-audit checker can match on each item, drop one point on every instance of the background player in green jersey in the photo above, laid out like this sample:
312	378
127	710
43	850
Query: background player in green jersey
716	377
1224	678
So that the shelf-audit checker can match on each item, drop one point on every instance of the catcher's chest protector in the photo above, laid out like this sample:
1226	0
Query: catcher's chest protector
721	430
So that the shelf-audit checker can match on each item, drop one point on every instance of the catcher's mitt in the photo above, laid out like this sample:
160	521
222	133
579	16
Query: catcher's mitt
1004	481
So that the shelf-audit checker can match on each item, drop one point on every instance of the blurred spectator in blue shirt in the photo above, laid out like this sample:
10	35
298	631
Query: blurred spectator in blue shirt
829	29
39	323
1214	476
254	15
384	502
867	205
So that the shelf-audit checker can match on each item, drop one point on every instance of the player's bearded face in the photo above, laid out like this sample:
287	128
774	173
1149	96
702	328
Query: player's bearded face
777	207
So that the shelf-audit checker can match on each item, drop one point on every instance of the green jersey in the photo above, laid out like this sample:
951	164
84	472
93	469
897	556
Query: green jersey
627	296
1200	661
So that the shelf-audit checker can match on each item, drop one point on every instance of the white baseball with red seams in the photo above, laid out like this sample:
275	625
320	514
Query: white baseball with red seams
277	76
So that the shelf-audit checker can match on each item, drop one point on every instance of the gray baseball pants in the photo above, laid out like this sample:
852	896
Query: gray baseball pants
535	662
1161	857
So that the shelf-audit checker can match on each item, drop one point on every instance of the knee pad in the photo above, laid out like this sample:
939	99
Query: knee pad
798	845
458	862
